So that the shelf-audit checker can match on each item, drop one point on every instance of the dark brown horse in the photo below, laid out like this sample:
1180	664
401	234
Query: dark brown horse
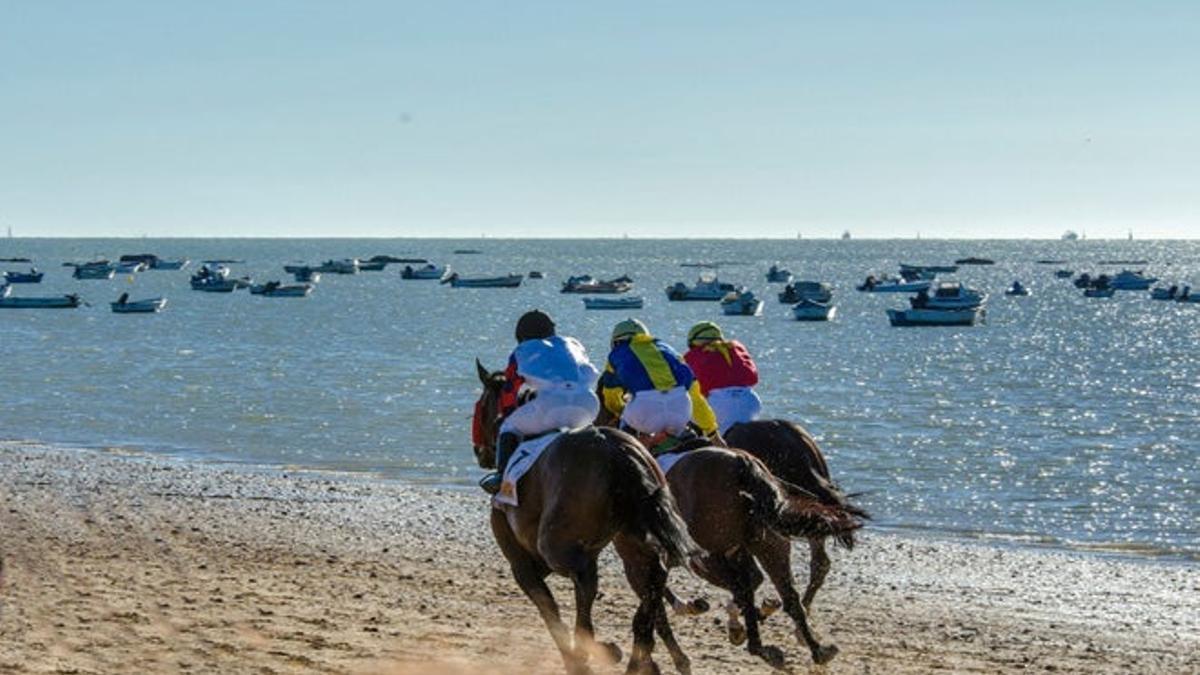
743	517
589	488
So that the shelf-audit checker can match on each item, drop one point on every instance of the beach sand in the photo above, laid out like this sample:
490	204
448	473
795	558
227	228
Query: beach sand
119	563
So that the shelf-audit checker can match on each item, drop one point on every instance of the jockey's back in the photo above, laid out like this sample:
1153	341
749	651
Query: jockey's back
554	361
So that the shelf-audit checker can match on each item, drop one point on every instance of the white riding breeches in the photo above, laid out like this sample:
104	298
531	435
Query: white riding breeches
733	405
562	406
653	411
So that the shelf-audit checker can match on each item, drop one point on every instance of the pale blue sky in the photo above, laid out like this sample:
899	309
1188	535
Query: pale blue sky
997	119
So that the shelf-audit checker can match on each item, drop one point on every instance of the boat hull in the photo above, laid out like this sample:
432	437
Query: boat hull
60	302
610	303
151	306
932	317
498	282
814	312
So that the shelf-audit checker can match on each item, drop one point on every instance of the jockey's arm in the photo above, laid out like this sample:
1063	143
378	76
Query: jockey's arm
702	412
612	391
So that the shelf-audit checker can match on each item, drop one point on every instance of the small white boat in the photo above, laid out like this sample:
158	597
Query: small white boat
778	275
56	302
149	306
1094	292
806	290
510	281
934	317
1128	280
812	310
629	302
95	270
892	285
707	288
429	272
741	303
948	295
1017	289
273	289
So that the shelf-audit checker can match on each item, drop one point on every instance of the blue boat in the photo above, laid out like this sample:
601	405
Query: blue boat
31	277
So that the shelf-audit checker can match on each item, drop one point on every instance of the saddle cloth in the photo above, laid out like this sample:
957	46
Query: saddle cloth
526	456
666	460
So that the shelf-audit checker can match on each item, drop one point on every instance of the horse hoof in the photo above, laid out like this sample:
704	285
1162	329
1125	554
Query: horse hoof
647	667
699	606
824	654
610	653
737	635
769	607
772	655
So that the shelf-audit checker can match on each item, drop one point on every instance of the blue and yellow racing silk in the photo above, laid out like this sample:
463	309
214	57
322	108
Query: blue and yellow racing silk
644	363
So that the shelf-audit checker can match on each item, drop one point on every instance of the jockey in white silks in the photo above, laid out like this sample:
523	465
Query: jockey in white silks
549	385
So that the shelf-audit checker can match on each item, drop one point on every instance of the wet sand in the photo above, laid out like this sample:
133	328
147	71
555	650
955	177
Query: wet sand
114	563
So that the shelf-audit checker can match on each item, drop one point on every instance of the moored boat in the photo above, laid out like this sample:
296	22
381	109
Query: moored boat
778	275
972	260
891	285
948	295
372	265
934	317
148	306
95	270
936	269
741	303
812	310
306	275
806	290
346	266
536	275
1099	292
1164	293
53	302
628	302
588	284
1064	274
31	277
429	272
274	289
161	264
509	281
707	288
1128	280
1017	289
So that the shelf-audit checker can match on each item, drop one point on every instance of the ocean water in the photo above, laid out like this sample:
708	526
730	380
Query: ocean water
1063	420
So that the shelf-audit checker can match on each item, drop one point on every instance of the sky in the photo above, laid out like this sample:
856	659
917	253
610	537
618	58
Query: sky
552	119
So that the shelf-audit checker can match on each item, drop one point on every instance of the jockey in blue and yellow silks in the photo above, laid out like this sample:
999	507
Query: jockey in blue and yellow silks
663	394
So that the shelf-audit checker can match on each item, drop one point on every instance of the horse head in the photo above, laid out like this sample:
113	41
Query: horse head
487	416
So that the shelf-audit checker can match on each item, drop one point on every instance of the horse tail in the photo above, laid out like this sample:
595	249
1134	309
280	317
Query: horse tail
790	510
646	509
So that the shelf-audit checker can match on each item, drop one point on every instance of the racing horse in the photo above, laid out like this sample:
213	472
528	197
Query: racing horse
743	516
588	488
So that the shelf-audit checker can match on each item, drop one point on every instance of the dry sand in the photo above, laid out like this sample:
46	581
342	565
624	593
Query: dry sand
121	564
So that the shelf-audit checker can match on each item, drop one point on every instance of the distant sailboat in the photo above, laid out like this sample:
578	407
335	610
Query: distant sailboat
10	232
1070	235
1131	235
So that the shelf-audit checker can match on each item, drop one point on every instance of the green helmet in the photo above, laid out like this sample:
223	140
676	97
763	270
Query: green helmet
705	330
627	329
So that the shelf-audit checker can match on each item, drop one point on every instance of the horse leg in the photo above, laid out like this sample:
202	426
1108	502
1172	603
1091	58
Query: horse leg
818	567
530	574
662	626
648	579
587	584
746	579
774	554
688	608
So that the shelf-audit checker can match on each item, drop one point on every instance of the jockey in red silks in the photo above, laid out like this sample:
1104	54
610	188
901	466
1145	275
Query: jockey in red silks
726	373
548	385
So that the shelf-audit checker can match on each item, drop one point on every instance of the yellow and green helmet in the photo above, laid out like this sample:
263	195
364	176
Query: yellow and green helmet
627	329
705	330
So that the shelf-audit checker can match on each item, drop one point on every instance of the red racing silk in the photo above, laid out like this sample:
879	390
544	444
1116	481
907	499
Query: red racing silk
722	363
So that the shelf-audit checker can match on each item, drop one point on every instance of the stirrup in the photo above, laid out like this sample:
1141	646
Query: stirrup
491	483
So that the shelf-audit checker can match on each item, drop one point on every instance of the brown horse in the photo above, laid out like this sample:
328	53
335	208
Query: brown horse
588	488
743	517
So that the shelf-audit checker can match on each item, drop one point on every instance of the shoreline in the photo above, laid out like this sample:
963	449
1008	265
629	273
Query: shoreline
115	561
1131	551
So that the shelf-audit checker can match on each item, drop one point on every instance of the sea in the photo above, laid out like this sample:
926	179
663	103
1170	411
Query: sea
1058	421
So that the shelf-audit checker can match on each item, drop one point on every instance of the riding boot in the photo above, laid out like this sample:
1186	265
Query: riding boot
506	445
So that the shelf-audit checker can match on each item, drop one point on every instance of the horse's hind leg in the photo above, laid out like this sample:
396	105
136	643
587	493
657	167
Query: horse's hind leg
587	584
818	567
774	554
662	626
746	578
648	579
530	574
